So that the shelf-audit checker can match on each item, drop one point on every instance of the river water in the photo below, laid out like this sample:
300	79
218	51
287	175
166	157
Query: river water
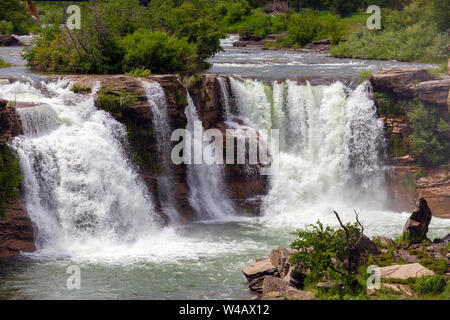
92	211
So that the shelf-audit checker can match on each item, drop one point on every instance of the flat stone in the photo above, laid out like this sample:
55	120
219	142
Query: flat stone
259	269
405	271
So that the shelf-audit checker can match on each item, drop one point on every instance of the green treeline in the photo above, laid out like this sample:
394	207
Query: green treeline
165	36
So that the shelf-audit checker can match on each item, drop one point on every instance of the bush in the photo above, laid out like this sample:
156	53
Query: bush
4	64
14	12
159	52
6	27
303	28
324	252
427	141
430	285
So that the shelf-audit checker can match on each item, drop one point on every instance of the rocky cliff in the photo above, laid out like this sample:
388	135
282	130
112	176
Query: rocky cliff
393	90
245	190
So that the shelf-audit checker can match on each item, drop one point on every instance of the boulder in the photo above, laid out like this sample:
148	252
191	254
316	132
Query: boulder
398	80
405	271
280	259
259	269
416	226
433	92
9	41
274	288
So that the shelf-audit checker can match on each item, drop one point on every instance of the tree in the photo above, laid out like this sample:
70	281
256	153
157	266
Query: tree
329	253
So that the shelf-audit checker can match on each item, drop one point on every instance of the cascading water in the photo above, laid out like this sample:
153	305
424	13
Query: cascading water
225	96
79	185
330	148
205	181
161	123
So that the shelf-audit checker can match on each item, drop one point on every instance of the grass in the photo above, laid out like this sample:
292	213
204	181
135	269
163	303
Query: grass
79	88
4	64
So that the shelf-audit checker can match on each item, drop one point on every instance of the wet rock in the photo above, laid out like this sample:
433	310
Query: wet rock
259	269
405	271
9	122
16	232
9	41
416	226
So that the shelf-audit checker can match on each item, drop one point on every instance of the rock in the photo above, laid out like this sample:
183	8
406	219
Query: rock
405	271
433	92
9	41
249	43
295	278
16	232
259	269
406	256
398	80
280	259
276	287
257	284
362	250
400	288
9	122
416	226
318	46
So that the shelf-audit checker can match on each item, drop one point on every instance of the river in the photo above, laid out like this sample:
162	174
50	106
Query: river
76	170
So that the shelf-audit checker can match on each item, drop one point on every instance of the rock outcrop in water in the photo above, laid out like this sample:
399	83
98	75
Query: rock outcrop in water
416	227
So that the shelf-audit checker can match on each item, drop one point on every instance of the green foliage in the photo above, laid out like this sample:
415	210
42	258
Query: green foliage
334	28
14	12
6	27
10	178
365	75
159	52
139	72
324	252
303	28
4	64
115	102
430	285
427	141
79	88
413	34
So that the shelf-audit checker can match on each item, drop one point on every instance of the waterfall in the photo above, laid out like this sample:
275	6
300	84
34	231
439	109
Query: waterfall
225	97
206	181
330	143
161	123
79	184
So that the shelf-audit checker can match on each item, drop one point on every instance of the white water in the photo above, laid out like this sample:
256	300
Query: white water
226	97
161	123
331	144
79	185
205	181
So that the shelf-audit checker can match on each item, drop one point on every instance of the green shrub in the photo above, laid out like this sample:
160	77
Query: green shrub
159	52
324	252
10	178
303	28
4	64
14	12
139	72
6	27
430	285
365	75
79	88
427	142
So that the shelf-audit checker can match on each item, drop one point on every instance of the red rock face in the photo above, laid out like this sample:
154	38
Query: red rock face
16	232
